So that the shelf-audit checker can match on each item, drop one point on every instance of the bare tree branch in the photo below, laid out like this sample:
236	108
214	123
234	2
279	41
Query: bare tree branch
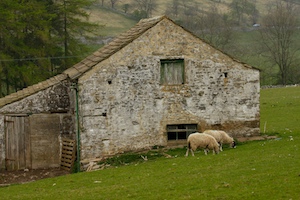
277	36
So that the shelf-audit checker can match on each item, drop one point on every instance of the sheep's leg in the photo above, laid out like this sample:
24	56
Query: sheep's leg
187	152
206	150
221	148
192	152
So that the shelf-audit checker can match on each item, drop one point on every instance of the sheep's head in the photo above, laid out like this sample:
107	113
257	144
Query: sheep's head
233	144
217	150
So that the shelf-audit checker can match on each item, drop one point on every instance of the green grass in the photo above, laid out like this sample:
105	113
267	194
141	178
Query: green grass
254	170
280	110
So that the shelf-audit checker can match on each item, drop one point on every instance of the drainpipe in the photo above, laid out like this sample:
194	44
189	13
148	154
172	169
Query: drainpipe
75	87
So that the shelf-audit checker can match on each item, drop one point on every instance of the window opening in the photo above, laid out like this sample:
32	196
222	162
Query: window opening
172	72
225	74
180	131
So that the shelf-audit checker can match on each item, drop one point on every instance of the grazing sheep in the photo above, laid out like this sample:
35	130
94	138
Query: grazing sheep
201	140
222	138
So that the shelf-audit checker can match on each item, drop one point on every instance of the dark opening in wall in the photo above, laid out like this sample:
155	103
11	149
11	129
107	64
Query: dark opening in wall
104	114
180	131
225	74
109	82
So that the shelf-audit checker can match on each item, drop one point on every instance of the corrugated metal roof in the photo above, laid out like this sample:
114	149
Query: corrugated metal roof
86	64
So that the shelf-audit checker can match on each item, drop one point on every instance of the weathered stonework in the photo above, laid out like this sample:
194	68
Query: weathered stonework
123	106
52	101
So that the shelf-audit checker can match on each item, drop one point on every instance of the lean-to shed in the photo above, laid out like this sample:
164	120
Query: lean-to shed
151	86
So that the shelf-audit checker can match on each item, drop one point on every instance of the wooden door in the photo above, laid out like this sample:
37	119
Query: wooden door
17	143
44	138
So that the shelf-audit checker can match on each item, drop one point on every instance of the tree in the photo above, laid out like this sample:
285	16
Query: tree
23	39
277	37
173	9
37	36
70	27
113	3
126	7
241	10
215	27
189	15
146	6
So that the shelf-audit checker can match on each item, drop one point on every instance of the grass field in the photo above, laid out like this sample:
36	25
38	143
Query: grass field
254	170
280	110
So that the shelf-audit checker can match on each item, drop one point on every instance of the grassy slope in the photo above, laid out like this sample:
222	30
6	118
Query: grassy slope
255	170
280	110
116	23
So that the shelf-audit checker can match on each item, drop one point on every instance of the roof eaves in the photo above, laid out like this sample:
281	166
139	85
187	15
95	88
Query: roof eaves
83	66
72	72
114	46
78	69
32	89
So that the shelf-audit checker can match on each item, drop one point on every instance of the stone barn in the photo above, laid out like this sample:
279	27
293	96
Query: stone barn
151	86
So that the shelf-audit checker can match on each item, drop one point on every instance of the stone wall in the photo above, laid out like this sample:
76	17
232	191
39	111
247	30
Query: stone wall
123	106
57	100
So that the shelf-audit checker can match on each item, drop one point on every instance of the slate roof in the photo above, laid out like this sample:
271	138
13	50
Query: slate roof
86	64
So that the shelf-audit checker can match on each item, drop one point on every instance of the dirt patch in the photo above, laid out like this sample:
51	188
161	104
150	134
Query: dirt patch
25	176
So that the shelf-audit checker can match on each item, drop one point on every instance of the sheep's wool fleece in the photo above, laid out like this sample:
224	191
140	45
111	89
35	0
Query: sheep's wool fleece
202	140
220	136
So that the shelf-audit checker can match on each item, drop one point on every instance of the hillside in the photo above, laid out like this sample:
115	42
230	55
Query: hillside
112	21
116	20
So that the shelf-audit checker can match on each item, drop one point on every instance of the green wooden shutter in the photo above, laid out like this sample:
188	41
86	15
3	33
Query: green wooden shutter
172	72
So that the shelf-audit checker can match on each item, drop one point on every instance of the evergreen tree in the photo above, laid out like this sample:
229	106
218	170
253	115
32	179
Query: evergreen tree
40	38
69	28
23	40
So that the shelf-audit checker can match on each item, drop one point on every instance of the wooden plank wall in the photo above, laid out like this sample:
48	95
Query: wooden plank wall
45	144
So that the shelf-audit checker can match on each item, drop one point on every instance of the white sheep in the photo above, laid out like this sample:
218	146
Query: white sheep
222	138
201	140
